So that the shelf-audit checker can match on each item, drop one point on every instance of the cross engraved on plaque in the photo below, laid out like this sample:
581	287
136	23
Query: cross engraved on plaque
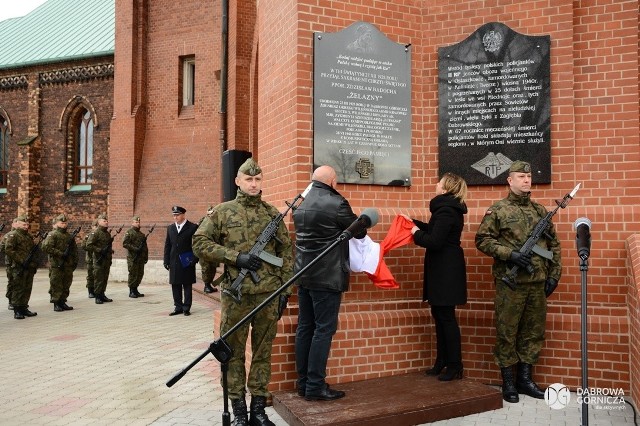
364	168
493	165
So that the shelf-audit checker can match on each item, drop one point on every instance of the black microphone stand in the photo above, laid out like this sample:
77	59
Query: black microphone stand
584	267
220	349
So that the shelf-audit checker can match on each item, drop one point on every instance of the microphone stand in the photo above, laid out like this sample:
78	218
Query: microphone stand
220	349
584	267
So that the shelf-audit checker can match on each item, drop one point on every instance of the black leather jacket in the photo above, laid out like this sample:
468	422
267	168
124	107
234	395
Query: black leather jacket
319	221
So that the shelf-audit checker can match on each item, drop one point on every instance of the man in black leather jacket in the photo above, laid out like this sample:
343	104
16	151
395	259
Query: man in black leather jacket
319	220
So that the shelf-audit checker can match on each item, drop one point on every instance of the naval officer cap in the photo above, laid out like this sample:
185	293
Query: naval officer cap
178	210
250	167
519	166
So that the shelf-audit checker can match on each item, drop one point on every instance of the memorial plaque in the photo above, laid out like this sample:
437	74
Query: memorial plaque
494	105
362	106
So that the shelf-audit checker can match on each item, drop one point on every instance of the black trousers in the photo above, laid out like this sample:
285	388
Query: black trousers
448	347
181	296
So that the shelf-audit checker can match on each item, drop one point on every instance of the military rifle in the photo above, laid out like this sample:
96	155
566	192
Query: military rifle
1	227
67	250
109	246
268	233
34	249
144	241
530	246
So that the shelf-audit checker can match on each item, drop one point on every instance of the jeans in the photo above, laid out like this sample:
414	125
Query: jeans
317	323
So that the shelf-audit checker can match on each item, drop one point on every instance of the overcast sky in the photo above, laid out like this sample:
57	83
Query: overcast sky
13	8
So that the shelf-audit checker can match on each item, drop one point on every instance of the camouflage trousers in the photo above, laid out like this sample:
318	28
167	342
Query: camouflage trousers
9	282
90	279
520	323
208	271
60	280
263	331
136	272
101	276
22	285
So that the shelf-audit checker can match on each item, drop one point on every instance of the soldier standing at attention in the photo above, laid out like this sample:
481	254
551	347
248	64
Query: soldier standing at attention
63	260
17	246
99	244
520	313
226	235
88	259
8	266
137	255
208	269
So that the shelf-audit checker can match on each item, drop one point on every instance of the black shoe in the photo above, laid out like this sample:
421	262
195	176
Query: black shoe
450	374
301	391
208	288
436	369
105	298
187	313
138	293
17	314
133	295
27	313
91	294
66	307
327	394
176	312
10	307
98	301
58	308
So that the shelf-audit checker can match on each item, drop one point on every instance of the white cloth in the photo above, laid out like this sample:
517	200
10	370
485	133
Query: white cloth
364	255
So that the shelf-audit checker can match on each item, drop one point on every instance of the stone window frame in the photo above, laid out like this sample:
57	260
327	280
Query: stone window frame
70	120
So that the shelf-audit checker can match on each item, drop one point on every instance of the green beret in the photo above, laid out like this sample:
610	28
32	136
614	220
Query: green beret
136	218
60	218
22	218
250	167
102	216
520	167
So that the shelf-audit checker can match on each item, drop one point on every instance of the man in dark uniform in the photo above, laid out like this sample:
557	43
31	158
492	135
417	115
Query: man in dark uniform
63	260
17	245
100	244
180	261
520	313
137	256
88	259
226	235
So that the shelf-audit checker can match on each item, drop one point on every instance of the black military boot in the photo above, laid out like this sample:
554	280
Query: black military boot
208	288
524	383
239	412
509	392
27	313
98	300
17	313
135	290
91	294
66	307
258	416
105	298
132	294
57	307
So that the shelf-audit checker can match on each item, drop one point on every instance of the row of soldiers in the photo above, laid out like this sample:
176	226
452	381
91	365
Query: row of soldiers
20	250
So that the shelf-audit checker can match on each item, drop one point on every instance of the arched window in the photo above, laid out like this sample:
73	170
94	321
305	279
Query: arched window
83	165
4	151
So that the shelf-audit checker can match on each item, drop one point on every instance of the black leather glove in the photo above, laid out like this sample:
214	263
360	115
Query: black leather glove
166	266
282	304
248	261
520	259
550	286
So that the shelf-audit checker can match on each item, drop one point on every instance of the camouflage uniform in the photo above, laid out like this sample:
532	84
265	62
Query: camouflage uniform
208	268
135	242
88	260
60	269
520	314
99	244
8	267
231	228
18	244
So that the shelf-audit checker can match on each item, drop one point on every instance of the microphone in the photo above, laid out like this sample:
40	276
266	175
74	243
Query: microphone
583	237
367	219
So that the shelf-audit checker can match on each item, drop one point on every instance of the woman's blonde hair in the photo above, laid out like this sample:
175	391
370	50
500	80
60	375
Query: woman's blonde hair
455	185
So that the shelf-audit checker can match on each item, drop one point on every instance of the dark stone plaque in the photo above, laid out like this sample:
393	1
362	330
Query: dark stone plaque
362	106
494	105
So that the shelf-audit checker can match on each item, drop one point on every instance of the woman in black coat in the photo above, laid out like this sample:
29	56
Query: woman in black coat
445	276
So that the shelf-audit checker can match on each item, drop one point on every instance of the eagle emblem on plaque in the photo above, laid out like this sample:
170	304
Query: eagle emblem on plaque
364	167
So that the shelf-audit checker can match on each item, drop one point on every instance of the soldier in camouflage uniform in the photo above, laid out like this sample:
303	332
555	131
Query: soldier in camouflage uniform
208	269
100	245
17	246
226	235
8	266
137	255
520	313
88	259
58	243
